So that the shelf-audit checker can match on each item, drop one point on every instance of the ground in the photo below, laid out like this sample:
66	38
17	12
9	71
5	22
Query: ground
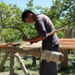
20	72
34	70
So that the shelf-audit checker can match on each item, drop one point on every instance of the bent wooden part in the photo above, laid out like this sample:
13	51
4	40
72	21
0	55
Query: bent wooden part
21	50
35	48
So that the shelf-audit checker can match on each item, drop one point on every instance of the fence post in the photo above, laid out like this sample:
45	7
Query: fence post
12	63
68	34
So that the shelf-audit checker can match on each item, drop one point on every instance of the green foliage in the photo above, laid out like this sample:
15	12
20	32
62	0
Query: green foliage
30	5
11	26
10	18
62	12
30	30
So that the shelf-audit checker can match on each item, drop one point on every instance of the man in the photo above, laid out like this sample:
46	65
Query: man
43	25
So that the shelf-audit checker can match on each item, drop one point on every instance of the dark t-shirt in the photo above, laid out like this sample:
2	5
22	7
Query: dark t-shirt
43	26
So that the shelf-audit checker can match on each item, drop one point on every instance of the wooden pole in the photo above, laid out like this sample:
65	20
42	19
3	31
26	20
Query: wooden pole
12	63
64	63
21	64
68	34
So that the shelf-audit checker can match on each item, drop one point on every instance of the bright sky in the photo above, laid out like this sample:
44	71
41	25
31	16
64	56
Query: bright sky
22	3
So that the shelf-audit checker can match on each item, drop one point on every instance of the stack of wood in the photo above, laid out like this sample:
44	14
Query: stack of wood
67	44
35	48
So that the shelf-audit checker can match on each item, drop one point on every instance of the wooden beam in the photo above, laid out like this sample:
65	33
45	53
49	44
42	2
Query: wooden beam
21	50
21	64
33	49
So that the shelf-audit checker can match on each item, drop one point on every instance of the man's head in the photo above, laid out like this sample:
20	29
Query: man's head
28	16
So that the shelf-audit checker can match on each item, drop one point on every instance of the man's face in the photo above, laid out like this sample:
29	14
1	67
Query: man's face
30	18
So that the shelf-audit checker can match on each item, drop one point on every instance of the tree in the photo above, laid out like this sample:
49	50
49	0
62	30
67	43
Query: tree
10	22
30	5
62	13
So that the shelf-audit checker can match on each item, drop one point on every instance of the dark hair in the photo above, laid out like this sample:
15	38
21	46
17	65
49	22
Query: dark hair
24	14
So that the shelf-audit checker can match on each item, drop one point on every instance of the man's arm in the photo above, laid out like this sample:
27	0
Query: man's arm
36	39
39	38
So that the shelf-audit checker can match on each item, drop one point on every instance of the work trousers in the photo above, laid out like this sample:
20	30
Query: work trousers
49	68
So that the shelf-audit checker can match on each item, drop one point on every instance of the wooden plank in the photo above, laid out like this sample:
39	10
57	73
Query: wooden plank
67	40
34	49
33	52
64	44
28	46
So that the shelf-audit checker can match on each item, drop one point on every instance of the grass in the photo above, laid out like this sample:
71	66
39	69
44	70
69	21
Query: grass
70	70
33	69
